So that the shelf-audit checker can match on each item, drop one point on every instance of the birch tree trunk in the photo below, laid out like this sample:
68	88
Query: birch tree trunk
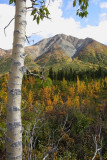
14	125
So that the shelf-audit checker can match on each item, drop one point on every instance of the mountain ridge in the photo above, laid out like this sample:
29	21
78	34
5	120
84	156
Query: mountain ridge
62	50
59	39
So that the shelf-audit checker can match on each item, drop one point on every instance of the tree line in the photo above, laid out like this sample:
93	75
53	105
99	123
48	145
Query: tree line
71	75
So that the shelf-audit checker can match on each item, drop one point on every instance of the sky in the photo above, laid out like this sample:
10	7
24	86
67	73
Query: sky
63	20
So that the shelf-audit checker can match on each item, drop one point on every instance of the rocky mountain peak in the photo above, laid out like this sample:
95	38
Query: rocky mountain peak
67	44
60	50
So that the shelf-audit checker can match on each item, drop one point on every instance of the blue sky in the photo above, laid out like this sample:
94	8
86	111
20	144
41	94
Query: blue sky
63	20
94	10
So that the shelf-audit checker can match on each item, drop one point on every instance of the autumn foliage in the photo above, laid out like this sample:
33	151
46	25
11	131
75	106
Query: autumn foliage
61	113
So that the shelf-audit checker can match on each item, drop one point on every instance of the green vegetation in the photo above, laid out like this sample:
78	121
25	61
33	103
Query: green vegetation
89	57
97	59
71	74
63	114
4	65
94	53
61	118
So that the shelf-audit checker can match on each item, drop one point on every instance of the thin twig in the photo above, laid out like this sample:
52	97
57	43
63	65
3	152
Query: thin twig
55	147
27	39
37	75
8	25
98	142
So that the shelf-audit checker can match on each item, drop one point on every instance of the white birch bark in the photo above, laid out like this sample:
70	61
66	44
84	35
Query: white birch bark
14	125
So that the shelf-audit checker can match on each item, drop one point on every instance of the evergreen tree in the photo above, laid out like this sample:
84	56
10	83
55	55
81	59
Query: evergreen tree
51	73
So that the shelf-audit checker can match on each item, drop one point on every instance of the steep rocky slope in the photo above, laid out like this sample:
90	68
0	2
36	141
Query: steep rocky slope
61	50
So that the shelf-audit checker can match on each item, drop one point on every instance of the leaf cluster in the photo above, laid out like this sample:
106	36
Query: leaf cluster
39	10
82	11
12	1
40	13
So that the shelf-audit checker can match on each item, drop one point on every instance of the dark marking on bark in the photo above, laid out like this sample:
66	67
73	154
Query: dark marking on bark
23	10
23	22
24	0
17	77
21	131
17	63
16	144
19	16
8	153
22	69
11	59
14	53
23	55
7	88
11	109
17	31
15	92
10	72
19	45
13	125
8	140
9	157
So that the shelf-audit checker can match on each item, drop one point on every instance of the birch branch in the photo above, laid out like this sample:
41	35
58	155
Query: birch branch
8	25
98	143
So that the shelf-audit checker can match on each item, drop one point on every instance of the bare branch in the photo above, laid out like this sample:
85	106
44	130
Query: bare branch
54	148
56	144
35	67
8	25
98	142
37	75
31	136
29	7
27	38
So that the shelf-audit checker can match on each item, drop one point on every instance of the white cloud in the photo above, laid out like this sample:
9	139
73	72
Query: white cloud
28	3
6	14
103	5
96	32
56	25
69	5
68	26
103	16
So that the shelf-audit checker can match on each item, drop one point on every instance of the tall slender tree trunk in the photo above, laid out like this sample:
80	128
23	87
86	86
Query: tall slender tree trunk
14	125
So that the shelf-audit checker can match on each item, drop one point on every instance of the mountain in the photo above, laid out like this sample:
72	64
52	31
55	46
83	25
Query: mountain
67	44
61	51
92	51
5	52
